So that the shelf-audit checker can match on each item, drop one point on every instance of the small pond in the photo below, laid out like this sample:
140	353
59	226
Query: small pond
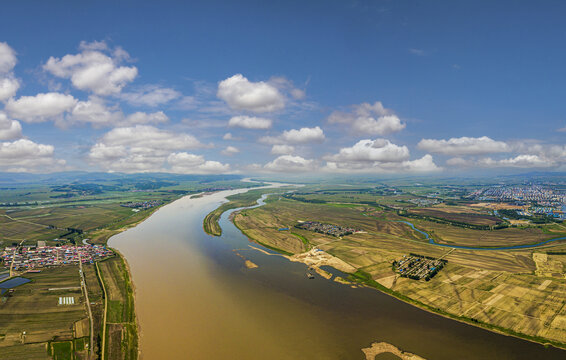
12	283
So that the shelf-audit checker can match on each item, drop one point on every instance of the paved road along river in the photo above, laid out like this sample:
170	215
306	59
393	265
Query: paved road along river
195	299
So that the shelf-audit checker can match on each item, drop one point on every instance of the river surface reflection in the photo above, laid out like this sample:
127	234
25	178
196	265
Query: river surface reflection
195	299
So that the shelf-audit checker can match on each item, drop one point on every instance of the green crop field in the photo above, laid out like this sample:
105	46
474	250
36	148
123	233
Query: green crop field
121	328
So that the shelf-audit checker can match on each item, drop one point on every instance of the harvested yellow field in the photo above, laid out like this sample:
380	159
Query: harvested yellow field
550	265
81	328
505	290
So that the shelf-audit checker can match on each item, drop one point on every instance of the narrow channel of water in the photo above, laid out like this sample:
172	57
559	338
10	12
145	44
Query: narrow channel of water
514	247
195	299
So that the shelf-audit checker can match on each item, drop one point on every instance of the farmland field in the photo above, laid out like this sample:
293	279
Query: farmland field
121	328
450	214
34	308
499	290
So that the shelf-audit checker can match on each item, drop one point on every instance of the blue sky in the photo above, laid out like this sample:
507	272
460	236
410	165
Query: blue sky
374	87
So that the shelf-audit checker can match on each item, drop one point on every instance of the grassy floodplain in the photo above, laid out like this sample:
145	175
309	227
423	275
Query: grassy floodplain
121	329
520	292
249	198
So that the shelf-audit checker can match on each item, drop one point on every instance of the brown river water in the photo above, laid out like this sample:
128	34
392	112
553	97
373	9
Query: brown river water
195	299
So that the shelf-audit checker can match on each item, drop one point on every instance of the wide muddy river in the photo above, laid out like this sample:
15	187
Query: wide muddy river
195	299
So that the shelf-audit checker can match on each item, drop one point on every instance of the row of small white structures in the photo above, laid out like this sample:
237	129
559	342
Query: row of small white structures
66	300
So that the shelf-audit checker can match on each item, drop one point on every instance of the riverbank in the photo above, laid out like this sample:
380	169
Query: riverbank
249	198
360	277
101	236
262	229
120	325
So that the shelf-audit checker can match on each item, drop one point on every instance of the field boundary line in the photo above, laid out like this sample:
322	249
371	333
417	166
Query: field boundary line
105	309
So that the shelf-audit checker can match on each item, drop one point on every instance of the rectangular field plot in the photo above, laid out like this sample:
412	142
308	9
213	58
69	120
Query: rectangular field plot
35	309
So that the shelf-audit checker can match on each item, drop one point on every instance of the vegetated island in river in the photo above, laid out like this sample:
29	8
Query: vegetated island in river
466	289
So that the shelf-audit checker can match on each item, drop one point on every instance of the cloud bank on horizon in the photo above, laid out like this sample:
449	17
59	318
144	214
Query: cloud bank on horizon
92	107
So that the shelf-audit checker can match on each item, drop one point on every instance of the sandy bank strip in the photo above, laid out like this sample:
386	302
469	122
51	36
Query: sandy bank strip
199	195
249	264
265	252
317	258
383	347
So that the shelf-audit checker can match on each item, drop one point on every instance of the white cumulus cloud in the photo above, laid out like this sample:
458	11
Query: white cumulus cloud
145	136
94	69
9	129
93	111
230	150
290	163
464	146
249	122
41	107
24	155
7	58
368	119
241	94
296	136
372	150
375	156
9	85
186	163
139	148
282	149
519	161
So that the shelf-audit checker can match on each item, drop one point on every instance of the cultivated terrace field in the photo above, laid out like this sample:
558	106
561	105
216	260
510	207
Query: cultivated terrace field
68	209
519	292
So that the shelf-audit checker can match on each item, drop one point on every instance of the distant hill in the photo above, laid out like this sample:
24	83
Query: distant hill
97	177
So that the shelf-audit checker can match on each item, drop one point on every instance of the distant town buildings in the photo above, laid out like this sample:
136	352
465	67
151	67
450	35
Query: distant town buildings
328	229
418	267
425	202
142	205
32	257
540	200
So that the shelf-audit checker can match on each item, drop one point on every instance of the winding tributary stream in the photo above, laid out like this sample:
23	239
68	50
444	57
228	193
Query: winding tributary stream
513	247
195	299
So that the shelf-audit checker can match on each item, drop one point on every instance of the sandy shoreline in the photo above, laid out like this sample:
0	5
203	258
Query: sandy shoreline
316	258
383	347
